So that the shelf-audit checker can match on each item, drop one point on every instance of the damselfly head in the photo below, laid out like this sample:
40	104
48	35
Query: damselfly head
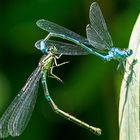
52	49
129	52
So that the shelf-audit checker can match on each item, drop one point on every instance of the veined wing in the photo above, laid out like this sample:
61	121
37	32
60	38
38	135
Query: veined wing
97	32
55	28
62	48
16	117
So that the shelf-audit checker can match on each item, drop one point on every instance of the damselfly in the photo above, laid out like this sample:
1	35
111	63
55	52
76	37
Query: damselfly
15	119
98	40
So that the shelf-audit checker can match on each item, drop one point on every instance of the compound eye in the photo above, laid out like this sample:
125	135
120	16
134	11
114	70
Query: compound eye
130	52
52	49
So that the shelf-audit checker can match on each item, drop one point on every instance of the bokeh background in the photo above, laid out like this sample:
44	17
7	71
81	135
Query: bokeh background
91	87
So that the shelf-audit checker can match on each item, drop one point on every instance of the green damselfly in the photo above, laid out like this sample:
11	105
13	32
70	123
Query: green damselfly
15	119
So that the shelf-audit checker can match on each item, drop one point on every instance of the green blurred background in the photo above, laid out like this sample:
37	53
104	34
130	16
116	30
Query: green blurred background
91	87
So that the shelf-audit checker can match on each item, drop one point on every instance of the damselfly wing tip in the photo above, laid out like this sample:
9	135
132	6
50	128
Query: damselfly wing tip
39	22
93	5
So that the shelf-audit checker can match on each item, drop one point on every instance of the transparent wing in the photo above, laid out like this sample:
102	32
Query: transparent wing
55	28
16	117
62	48
97	32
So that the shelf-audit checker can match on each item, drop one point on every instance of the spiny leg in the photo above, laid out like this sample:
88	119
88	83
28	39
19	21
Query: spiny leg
56	65
64	114
53	75
57	57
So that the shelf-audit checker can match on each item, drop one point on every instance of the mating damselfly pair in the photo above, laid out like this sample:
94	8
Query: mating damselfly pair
98	42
